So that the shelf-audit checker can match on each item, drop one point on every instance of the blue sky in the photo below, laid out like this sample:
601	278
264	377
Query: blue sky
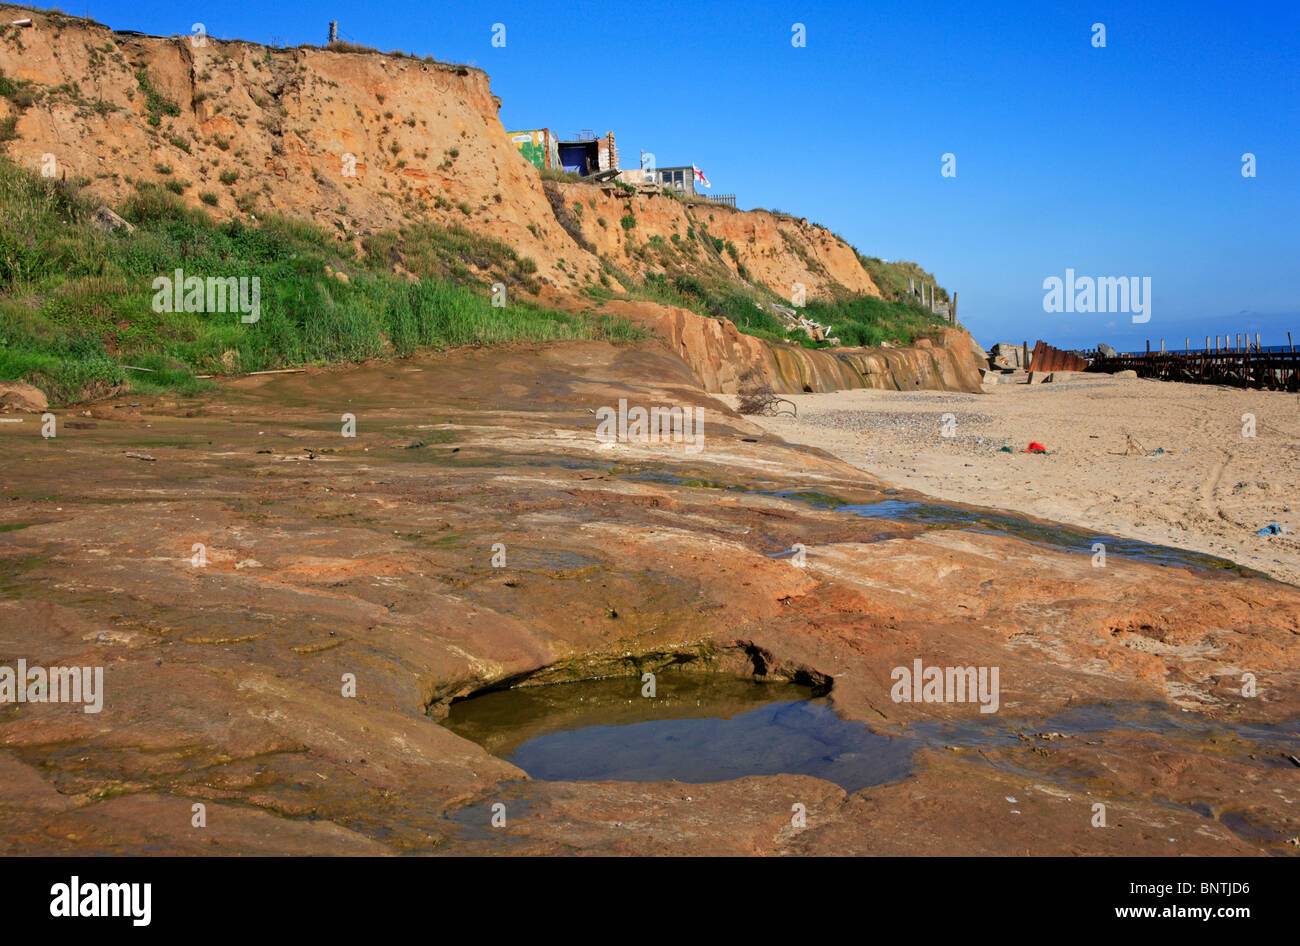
1116	161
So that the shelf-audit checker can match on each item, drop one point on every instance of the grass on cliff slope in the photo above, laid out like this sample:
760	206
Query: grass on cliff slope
868	321
854	320
746	307
892	278
76	303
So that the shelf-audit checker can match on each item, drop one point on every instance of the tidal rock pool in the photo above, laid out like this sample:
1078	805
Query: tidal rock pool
696	728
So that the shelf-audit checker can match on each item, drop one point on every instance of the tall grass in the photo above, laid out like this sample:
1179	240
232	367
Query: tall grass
868	321
892	278
76	303
855	320
745	307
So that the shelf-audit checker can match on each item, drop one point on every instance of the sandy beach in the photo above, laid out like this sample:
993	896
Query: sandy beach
1210	489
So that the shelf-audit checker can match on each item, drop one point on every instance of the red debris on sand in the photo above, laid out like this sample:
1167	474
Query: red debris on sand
1035	447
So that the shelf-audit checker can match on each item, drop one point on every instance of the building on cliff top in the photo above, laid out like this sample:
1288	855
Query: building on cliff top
584	154
539	146
678	178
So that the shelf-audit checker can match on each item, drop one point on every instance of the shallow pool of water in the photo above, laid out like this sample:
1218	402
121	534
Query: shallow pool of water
942	516
1066	538
697	728
705	727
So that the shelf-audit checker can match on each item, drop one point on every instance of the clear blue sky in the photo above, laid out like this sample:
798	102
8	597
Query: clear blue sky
1122	161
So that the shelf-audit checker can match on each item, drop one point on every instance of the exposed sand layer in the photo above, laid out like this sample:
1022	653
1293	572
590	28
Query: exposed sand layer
1210	491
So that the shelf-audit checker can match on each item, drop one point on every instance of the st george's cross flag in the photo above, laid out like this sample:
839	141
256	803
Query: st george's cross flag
699	176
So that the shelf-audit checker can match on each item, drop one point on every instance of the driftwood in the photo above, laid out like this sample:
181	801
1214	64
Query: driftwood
1132	446
757	397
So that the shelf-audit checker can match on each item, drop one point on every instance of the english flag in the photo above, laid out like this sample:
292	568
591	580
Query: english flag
699	176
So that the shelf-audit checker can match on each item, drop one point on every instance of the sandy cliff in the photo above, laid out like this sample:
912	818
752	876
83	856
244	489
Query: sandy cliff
720	356
773	251
363	141
272	129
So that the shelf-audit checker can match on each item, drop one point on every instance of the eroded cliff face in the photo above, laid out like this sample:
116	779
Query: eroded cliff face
355	141
721	356
360	142
776	252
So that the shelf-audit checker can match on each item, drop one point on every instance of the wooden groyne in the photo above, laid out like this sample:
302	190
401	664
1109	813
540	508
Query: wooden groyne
1249	367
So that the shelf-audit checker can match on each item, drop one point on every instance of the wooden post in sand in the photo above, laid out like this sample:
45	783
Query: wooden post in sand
1290	344
1258	346
1024	355
1239	342
1188	344
1162	346
1148	347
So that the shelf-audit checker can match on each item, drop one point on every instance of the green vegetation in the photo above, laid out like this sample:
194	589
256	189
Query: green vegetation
429	249
559	174
854	320
866	320
20	94
76	303
892	278
745	306
155	103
